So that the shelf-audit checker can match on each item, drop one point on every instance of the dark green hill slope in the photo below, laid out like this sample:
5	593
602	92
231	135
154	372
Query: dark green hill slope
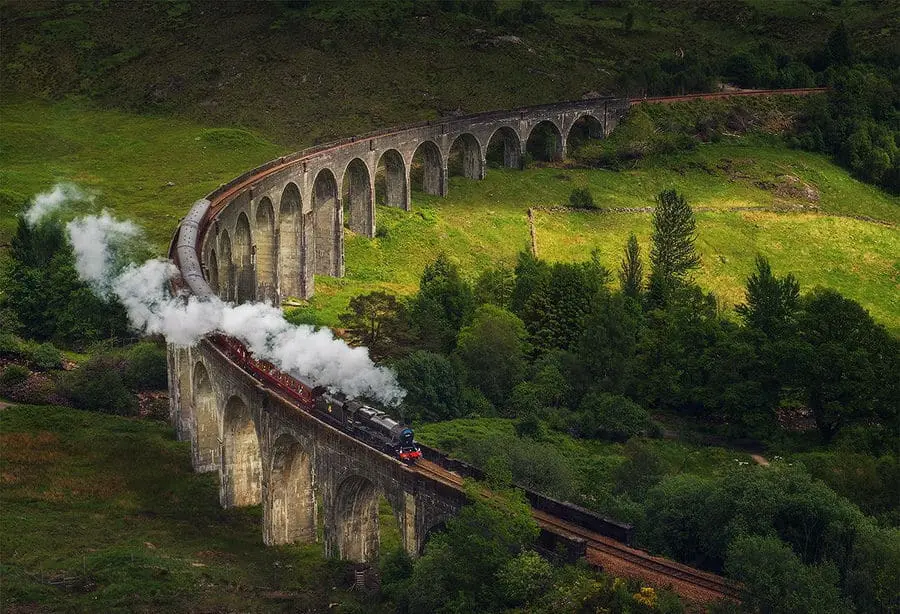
311	70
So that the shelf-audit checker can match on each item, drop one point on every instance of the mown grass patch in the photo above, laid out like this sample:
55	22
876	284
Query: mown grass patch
102	513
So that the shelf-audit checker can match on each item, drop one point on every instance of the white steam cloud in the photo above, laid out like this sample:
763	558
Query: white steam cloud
46	203
314	355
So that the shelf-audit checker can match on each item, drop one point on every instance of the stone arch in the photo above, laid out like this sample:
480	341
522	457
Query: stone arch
504	148
328	231
226	268
212	271
466	158
205	442
359	198
356	519
290	510
435	529
427	169
391	188
287	252
584	128
245	289
545	142
265	251
240	473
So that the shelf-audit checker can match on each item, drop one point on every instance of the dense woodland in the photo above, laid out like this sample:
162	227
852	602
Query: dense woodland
563	351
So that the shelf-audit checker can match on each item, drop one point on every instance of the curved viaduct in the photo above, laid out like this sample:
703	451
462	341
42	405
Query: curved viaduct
262	237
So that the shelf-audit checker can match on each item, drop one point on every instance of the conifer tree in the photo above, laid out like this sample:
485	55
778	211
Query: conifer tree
672	255
631	275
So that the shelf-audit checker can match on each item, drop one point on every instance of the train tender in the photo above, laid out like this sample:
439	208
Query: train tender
369	425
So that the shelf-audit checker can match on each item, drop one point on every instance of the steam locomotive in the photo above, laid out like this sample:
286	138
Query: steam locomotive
369	425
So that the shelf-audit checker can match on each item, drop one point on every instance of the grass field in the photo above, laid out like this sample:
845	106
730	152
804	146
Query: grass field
128	161
104	514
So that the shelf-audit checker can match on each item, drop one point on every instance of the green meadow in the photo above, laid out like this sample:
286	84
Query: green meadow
151	169
105	514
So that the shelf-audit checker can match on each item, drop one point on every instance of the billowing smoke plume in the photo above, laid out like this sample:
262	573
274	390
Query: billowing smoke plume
314	355
46	203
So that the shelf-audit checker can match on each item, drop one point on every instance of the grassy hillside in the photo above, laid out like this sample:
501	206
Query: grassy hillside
484	223
102	513
129	161
284	67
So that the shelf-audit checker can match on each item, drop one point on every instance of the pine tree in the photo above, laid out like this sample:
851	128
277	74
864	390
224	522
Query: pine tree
672	255
772	302
632	274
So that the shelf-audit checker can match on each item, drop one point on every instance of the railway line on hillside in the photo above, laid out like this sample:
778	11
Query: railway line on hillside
617	558
575	525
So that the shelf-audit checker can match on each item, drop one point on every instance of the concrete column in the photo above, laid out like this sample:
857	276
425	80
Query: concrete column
444	187
338	262
408	530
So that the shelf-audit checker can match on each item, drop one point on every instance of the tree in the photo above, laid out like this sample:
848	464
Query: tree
493	349
495	286
631	275
556	308
461	568
612	416
441	307
672	254
849	364
608	342
433	387
775	580
375	321
771	302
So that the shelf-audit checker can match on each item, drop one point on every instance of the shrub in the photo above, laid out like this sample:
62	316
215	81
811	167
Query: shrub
10	346
145	367
12	376
46	357
38	389
612	416
98	385
581	198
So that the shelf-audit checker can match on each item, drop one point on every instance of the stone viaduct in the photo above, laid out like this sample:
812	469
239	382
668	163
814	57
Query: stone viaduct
262	237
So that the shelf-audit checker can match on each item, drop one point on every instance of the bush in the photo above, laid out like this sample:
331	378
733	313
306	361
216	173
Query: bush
581	198
98	385
46	357
38	389
11	346
11	377
612	416
145	367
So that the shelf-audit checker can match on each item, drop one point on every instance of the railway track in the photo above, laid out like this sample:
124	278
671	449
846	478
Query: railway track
616	557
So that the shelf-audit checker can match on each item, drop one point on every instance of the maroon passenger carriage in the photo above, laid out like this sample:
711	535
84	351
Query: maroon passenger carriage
369	425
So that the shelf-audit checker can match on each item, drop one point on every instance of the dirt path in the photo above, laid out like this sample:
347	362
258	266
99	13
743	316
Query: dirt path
760	460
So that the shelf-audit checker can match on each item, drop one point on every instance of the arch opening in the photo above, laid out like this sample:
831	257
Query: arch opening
206	424
226	268
435	530
212	271
290	512
427	170
241	484
245	289
357	196
265	252
585	128
390	180
357	520
465	158
288	242
504	149
544	143
327	216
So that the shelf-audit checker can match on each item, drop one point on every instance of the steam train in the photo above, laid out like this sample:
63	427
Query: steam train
362	422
